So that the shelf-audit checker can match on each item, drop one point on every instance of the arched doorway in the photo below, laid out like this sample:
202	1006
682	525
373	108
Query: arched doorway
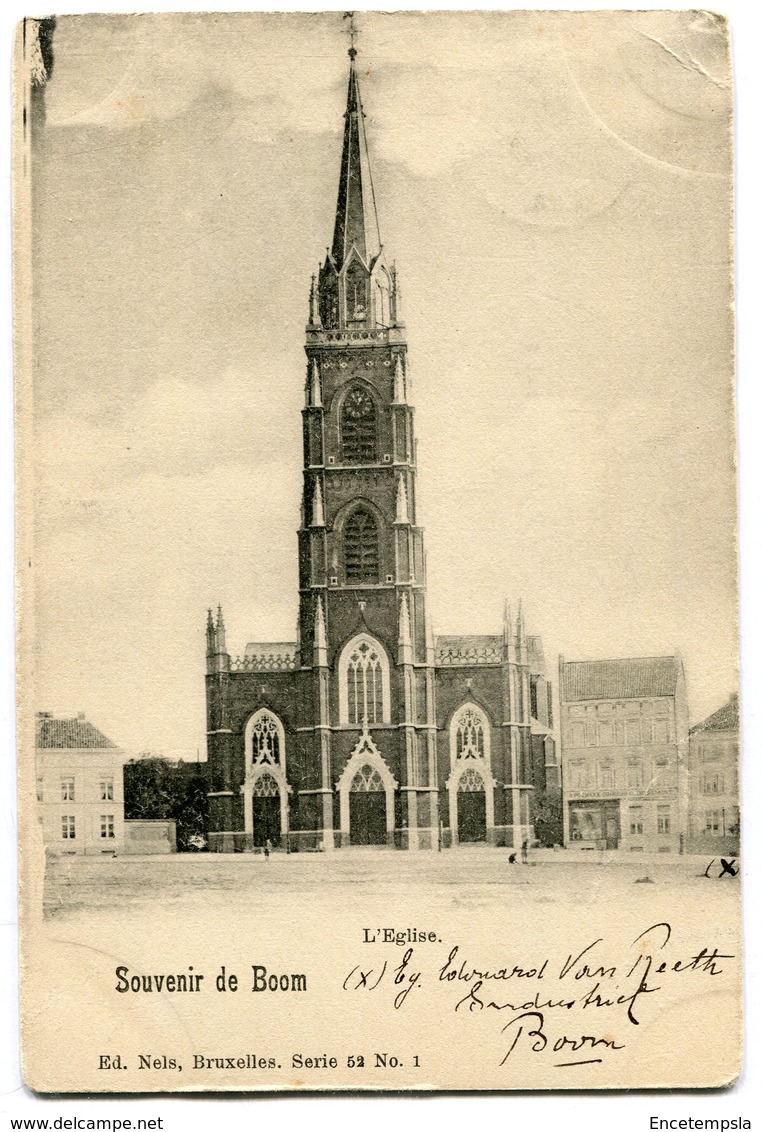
265	789
265	811
367	808
472	807
471	786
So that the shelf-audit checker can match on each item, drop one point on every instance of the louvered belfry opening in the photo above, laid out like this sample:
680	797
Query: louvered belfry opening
358	428
361	547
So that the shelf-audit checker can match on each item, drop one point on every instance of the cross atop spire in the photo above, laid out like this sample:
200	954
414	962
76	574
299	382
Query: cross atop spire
352	32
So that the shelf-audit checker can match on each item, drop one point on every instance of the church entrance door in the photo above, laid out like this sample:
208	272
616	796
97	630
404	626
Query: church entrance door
265	811
367	808
472	807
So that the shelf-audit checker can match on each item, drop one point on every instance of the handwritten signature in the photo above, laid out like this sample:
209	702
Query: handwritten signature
585	980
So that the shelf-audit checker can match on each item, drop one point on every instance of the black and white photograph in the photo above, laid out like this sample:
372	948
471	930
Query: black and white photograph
379	721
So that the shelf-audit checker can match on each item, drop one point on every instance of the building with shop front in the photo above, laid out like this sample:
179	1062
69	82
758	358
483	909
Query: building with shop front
624	744
79	786
713	783
368	729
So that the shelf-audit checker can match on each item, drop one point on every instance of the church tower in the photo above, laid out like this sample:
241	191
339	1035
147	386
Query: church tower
361	558
368	730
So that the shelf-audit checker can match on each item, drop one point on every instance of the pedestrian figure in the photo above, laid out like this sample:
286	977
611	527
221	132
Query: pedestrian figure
268	847
512	859
524	853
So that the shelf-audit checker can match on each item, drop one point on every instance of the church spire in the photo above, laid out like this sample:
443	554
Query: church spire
356	218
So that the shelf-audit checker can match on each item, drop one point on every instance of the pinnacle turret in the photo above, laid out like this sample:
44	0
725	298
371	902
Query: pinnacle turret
320	646
318	512
404	639
220	631
402	514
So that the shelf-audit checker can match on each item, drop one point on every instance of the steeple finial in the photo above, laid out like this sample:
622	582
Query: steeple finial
352	32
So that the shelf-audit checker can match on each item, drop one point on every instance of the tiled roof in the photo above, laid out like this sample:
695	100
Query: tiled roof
77	732
725	719
619	679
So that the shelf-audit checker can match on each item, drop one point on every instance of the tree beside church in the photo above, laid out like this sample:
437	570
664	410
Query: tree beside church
156	788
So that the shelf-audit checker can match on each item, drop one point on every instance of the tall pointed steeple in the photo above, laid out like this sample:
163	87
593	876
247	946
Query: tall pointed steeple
357	290
356	218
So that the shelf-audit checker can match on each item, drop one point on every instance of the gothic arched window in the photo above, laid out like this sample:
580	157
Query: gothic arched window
469	735
470	782
364	683
361	547
358	428
265	741
266	787
367	781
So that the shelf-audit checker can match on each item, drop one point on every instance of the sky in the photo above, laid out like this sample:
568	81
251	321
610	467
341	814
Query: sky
555	191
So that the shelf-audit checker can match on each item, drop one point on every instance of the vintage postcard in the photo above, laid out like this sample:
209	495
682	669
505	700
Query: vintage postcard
379	720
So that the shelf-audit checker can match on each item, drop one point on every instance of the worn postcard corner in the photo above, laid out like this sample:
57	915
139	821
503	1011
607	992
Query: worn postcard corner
379	721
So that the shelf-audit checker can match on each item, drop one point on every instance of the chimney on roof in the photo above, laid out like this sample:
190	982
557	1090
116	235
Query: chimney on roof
80	715
44	714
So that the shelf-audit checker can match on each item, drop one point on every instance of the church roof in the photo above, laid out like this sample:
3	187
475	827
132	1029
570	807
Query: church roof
625	679
725	719
356	217
258	648
267	656
78	732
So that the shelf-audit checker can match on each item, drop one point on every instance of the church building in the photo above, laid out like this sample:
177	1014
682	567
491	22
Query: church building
368	729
